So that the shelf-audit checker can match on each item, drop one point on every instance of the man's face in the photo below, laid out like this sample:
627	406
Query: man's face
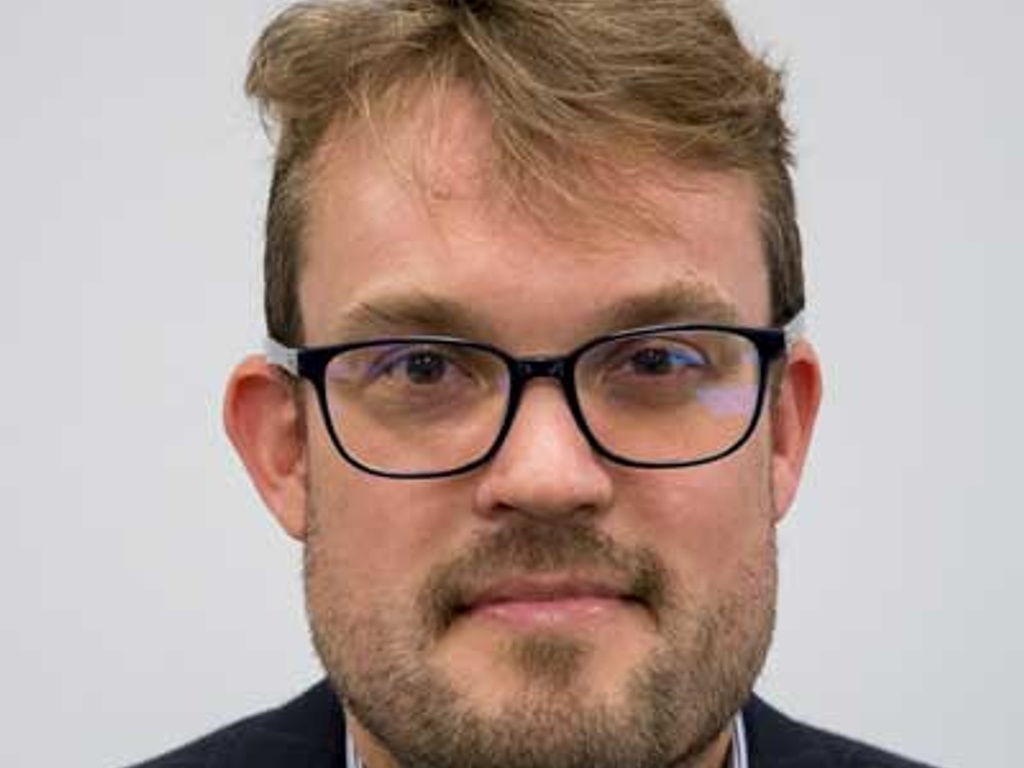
605	615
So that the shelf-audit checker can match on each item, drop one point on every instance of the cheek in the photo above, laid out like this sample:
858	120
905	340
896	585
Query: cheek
380	537
700	519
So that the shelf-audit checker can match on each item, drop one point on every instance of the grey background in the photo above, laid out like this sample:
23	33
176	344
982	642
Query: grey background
148	597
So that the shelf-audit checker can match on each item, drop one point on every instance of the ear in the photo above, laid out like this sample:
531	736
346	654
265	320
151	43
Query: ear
263	421
793	415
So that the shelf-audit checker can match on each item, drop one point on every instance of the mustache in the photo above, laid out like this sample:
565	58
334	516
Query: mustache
529	547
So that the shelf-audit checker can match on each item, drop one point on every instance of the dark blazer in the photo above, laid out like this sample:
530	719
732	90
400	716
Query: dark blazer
307	733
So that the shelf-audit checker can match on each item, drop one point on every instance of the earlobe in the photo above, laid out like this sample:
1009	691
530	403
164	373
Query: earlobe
263	421
793	416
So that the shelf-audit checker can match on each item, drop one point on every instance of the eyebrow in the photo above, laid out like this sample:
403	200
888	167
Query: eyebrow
677	302
419	312
416	312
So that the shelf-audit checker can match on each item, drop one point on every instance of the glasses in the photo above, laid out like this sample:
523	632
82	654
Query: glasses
666	396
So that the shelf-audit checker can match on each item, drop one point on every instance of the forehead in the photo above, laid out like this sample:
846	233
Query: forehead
415	215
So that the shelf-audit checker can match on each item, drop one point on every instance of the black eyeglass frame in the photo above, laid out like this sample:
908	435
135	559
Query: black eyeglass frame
311	363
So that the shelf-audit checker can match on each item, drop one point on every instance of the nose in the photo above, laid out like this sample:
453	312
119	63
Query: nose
545	468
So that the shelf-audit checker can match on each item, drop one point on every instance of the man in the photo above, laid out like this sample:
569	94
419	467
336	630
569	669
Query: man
535	398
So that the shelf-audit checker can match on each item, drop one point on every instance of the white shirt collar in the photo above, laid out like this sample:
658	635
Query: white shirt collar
739	743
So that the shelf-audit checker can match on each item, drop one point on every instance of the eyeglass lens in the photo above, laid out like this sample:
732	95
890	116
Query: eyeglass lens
410	408
670	397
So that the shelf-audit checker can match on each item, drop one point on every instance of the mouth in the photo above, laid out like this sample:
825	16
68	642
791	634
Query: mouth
539	602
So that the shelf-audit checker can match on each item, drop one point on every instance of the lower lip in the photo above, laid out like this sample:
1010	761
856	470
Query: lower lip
549	613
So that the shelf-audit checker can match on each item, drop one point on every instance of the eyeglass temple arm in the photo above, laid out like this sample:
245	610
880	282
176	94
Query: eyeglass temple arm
795	329
280	355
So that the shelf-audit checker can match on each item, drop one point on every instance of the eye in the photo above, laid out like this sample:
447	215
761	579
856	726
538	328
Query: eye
655	363
419	366
663	360
425	367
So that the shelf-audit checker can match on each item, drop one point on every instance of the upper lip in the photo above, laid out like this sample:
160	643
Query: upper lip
546	588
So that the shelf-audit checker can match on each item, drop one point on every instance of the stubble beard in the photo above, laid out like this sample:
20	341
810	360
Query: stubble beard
671	709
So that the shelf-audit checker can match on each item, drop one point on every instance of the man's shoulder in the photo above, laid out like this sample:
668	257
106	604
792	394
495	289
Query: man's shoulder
776	741
304	732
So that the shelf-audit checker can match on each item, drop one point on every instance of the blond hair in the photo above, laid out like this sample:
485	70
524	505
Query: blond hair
570	87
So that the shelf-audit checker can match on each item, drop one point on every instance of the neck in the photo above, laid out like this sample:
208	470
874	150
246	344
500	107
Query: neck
716	755
372	753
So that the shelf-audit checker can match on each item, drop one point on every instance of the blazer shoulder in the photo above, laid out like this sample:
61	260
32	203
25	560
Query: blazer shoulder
306	731
776	741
